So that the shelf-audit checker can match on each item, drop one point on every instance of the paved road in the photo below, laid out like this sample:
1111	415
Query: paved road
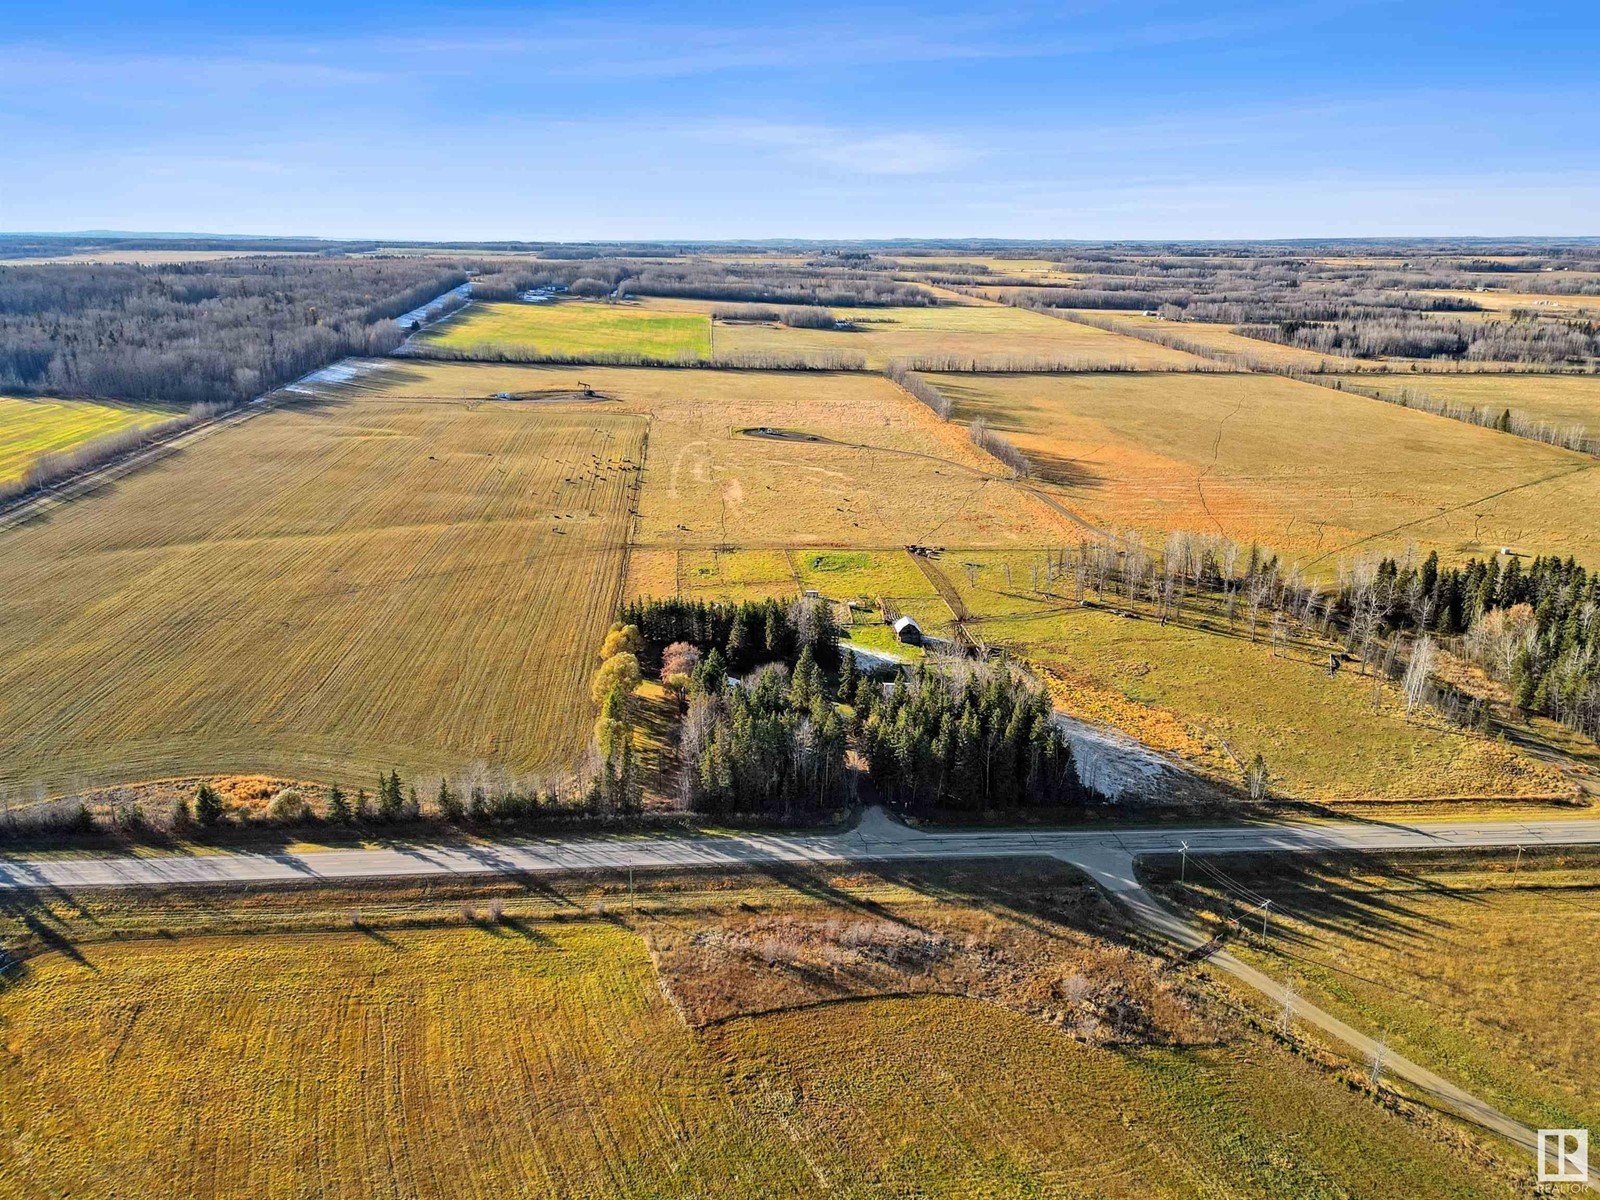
1110	852
1106	855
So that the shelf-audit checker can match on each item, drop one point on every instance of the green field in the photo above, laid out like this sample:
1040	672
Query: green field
543	1058
572	329
32	428
1471	965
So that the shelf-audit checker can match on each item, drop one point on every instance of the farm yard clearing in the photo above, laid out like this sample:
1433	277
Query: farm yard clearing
405	564
834	1089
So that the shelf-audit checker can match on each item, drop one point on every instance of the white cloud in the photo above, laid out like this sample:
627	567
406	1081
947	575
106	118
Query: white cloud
861	152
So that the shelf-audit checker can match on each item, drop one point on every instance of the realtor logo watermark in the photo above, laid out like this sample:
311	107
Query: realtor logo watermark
1563	1156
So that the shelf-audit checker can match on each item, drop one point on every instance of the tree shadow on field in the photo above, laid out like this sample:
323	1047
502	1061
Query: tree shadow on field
516	927
1063	471
1368	899
40	925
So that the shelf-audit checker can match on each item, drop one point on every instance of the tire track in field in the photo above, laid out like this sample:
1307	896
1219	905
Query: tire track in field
1216	451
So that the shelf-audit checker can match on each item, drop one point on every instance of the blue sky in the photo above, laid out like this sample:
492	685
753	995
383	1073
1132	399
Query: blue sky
1066	120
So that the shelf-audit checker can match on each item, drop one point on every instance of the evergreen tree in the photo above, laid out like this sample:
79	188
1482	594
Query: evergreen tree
207	805
338	805
448	800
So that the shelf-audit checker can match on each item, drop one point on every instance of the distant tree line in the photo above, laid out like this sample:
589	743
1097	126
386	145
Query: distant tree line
218	332
830	285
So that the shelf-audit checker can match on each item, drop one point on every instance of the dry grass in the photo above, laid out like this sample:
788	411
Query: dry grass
475	1059
1308	471
1469	965
32	428
970	329
1220	339
889	474
336	586
1562	400
1066	973
573	329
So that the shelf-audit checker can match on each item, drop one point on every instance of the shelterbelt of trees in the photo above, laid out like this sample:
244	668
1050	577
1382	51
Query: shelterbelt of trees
203	333
767	723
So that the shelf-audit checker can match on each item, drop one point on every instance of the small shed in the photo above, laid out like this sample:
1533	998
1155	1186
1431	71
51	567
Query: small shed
908	631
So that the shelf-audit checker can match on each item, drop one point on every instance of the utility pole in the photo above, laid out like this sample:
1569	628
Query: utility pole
1183	870
1517	867
1265	904
1376	1077
632	903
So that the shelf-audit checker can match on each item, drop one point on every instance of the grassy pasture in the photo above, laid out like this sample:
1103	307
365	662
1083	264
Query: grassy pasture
544	1059
338	585
1470	965
968	330
1195	688
31	428
734	574
1308	471
574	329
1561	399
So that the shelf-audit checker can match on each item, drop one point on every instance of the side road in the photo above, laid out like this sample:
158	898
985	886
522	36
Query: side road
1105	855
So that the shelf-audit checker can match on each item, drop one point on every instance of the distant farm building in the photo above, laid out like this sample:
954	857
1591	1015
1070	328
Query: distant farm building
908	631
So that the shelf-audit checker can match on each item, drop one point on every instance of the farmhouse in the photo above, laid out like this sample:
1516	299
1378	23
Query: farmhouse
908	631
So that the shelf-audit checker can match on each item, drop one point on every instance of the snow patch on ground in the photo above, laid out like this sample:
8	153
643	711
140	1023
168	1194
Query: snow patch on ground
873	659
1115	765
342	371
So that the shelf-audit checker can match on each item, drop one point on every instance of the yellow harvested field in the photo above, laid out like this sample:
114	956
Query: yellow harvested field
545	1060
31	428
340	585
1308	471
573	329
971	330
884	473
1563	400
1543	305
